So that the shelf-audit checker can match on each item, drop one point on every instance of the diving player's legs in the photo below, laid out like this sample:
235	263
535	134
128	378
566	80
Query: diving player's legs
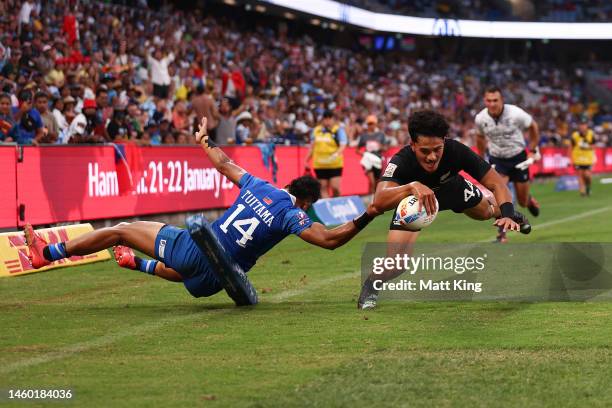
126	258
138	235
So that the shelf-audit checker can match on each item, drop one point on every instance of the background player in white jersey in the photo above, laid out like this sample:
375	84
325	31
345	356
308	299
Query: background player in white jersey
501	130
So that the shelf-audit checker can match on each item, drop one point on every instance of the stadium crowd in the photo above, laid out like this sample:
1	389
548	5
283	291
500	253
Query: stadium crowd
101	73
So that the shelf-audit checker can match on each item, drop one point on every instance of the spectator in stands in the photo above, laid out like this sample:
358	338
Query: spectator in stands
204	105
30	124
180	118
226	130
328	141
158	64
244	122
372	144
118	129
169	138
50	127
8	126
105	111
95	131
57	111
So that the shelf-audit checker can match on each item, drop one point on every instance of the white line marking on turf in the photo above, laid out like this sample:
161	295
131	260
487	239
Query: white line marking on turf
70	350
572	218
564	220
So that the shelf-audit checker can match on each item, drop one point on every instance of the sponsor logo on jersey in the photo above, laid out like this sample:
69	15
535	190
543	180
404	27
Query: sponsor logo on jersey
303	218
390	170
444	177
162	247
267	200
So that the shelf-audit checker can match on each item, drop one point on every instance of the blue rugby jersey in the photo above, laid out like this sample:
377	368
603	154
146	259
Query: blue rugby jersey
260	218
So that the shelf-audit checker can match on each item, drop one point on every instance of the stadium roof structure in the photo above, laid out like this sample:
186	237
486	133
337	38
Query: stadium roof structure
333	10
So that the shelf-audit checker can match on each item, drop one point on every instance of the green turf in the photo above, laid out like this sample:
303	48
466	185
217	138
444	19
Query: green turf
123	339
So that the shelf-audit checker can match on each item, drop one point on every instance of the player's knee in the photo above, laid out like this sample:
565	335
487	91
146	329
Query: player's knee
121	231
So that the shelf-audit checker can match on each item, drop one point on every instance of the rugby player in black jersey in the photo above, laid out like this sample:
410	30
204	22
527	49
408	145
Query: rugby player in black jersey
428	168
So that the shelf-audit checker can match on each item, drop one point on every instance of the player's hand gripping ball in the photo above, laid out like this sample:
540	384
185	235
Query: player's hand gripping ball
411	218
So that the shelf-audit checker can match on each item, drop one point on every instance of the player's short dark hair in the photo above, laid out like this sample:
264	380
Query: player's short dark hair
427	123
493	89
305	188
4	95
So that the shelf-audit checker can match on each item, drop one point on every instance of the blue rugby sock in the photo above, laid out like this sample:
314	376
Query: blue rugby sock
146	265
54	252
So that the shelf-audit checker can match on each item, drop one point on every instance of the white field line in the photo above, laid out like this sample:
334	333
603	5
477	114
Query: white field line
564	220
101	341
572	217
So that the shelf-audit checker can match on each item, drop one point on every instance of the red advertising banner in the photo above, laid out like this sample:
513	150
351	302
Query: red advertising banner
73	183
555	161
8	195
69	183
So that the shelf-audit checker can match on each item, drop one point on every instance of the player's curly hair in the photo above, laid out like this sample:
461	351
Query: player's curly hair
305	188
427	123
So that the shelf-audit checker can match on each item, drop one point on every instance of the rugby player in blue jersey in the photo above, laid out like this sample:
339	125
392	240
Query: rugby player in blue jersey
261	217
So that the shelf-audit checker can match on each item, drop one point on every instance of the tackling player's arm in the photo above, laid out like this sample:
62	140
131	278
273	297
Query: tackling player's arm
220	160
333	238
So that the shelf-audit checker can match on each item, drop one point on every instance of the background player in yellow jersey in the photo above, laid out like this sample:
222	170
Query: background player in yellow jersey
328	141
582	155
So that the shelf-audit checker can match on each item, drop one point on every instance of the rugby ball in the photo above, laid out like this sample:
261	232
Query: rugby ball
409	216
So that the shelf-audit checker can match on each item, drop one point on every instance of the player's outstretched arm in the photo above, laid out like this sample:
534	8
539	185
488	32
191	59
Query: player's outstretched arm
333	238
494	182
220	160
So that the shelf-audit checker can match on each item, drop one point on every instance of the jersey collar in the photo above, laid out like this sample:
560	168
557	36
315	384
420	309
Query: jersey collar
496	119
290	195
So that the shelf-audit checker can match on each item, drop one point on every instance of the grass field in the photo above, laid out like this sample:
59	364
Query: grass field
119	338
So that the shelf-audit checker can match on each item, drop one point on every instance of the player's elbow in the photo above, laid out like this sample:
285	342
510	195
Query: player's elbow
330	244
375	209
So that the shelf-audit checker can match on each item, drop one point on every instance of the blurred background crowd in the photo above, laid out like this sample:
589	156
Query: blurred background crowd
94	72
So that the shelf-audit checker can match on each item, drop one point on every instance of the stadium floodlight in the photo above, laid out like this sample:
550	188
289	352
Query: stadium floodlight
333	10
